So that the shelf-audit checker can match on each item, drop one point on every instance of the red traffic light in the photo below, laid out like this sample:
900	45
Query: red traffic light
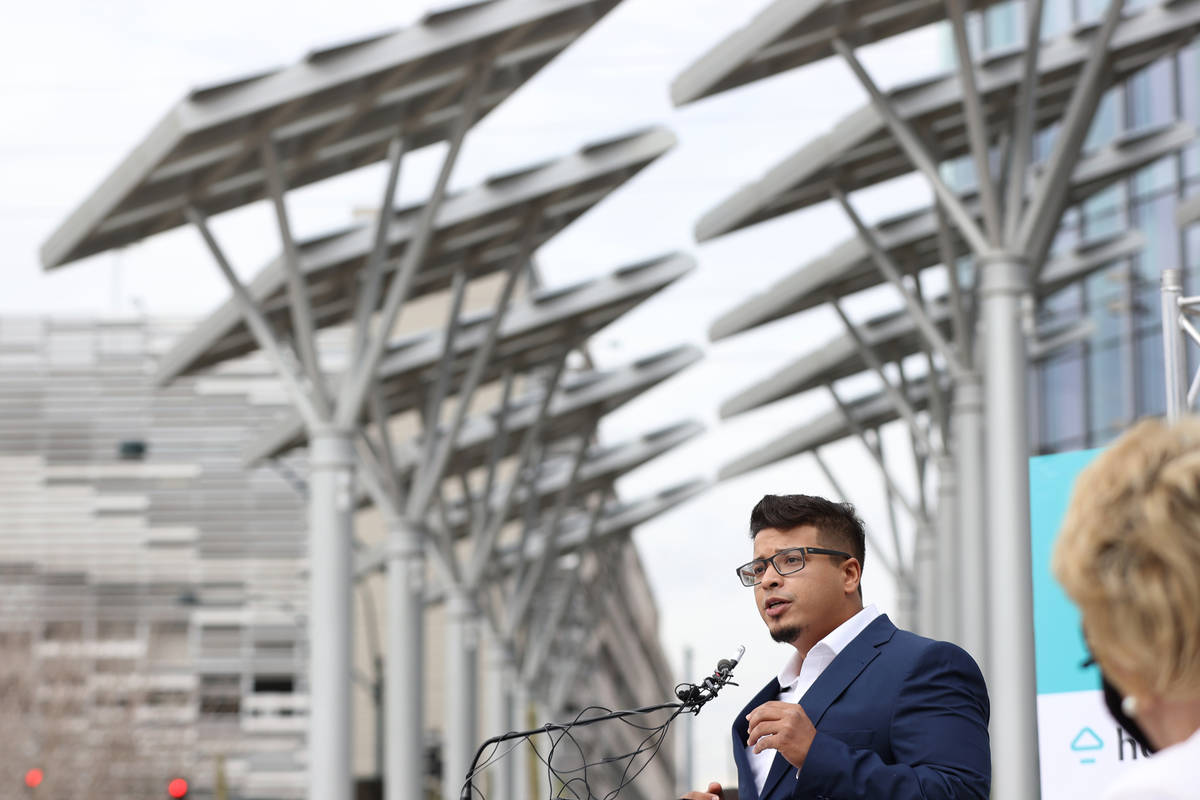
177	788
33	778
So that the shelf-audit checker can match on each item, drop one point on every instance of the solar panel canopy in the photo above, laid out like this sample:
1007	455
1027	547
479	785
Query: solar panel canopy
533	333
603	465
615	520
860	150
580	397
332	112
911	239
895	336
868	412
793	33
480	230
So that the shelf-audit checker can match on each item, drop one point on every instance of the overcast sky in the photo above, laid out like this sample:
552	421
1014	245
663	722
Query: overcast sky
85	81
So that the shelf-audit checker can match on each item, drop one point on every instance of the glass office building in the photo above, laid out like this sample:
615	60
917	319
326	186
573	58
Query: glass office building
1086	394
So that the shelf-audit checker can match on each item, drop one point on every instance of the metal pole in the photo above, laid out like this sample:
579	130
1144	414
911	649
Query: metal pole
331	528
972	518
689	731
524	788
403	777
949	590
926	574
502	678
459	733
1004	279
1173	345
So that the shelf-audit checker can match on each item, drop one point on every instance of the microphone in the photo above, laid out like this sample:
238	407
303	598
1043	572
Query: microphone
726	665
695	696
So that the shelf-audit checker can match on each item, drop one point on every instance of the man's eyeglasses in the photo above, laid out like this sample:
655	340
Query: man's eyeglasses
785	562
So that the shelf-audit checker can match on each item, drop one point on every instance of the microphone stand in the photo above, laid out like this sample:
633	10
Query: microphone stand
692	698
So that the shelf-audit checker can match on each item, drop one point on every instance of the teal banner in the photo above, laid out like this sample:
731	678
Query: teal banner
1057	633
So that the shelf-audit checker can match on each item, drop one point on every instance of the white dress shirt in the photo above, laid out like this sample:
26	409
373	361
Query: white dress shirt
1169	774
797	676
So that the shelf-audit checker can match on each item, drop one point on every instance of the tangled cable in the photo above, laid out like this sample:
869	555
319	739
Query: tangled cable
571	780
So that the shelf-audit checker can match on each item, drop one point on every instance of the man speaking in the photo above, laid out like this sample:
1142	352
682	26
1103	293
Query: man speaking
861	709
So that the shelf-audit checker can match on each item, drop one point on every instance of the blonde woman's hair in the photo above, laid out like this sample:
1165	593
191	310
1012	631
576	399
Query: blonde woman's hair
1128	554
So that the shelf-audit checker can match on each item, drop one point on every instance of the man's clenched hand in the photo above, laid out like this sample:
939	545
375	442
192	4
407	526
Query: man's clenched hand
782	727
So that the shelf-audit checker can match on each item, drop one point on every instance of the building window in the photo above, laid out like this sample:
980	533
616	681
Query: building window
1151	389
274	684
1105	397
1062	412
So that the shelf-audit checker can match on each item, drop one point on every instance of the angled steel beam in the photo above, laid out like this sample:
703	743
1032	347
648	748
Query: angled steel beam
1044	212
888	566
485	544
429	477
500	440
963	330
372	282
441	386
258	326
354	388
893	275
1022	141
976	122
872	360
876	453
303	331
916	152
528	582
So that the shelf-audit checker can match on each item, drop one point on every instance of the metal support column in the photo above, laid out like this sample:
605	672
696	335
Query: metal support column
405	767
926	574
459	731
331	528
947	576
1003	282
967	412
502	678
1173	345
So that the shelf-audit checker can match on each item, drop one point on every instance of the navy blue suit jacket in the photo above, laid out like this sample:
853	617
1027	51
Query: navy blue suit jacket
898	716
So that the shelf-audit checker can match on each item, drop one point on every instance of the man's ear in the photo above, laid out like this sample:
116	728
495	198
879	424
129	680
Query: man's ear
851	575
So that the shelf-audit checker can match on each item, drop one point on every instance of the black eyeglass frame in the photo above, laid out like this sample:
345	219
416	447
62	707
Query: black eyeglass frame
804	553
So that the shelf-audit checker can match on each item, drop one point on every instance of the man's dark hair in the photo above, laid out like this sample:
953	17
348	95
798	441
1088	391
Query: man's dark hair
839	528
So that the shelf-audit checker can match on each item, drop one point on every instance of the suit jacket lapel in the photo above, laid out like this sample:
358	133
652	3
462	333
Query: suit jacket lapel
741	732
836	678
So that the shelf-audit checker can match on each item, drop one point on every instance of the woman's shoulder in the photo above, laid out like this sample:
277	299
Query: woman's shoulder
1169	774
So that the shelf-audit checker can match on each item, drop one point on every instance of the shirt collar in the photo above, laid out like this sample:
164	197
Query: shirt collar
834	642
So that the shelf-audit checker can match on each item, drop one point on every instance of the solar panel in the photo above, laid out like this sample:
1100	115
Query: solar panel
895	336
911	240
860	150
792	33
333	112
533	333
479	230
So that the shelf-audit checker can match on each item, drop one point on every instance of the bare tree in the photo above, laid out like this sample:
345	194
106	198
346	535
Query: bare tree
85	721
